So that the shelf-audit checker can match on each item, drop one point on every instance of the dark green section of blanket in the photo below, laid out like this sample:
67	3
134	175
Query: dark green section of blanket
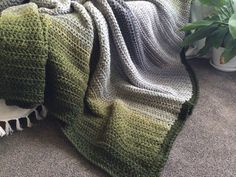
23	55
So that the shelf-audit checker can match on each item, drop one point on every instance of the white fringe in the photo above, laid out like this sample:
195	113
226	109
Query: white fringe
44	111
18	126
8	129
38	116
42	114
29	123
2	132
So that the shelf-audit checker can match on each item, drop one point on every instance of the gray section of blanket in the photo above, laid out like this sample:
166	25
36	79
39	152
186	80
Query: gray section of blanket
8	3
205	147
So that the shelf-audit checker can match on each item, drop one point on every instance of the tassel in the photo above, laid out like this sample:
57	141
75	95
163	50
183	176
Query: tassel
2	132
38	117
43	112
8	128
18	126
29	124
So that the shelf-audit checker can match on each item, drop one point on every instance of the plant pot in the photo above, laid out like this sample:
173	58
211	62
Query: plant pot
216	61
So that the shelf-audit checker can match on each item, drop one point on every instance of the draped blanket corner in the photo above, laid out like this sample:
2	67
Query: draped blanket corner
109	70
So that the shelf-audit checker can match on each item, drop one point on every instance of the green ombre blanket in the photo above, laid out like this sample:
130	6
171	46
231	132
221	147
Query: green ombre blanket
110	71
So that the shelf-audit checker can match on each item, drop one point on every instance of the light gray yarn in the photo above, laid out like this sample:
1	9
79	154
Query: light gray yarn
121	78
8	3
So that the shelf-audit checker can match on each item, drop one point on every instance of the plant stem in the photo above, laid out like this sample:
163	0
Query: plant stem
222	23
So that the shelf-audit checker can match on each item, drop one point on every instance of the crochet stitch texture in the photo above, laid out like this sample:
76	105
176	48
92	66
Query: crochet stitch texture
109	70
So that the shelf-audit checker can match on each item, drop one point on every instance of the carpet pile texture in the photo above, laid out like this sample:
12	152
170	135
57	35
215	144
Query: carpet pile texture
205	146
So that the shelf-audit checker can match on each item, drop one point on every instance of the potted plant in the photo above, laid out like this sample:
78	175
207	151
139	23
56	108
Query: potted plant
219	32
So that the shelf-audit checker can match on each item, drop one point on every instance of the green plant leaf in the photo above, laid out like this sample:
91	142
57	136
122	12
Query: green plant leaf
229	53
197	24
214	3
232	25
228	40
230	48
199	34
223	9
215	39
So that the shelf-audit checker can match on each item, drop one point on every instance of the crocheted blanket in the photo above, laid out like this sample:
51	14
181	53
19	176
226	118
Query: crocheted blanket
110	71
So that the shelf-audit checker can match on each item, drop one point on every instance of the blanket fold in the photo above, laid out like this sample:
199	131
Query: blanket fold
109	70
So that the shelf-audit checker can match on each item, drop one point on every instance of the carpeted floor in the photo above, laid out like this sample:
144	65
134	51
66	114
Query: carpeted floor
206	147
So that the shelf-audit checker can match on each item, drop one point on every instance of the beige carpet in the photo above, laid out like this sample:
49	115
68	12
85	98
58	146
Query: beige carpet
206	147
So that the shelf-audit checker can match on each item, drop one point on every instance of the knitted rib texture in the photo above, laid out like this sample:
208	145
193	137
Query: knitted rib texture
8	3
109	70
23	53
